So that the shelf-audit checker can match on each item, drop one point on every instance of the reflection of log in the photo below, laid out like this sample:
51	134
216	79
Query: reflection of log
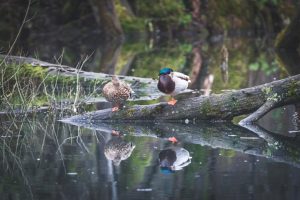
215	107
221	135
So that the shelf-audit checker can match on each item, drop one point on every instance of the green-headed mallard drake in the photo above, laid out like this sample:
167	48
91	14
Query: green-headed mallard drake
117	150
173	159
172	83
117	92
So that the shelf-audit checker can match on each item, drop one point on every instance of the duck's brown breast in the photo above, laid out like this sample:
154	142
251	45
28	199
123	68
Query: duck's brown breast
166	84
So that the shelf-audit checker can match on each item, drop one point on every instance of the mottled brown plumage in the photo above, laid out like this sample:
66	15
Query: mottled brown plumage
117	92
117	150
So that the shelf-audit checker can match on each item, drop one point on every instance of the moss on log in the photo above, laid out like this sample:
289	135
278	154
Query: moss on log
214	107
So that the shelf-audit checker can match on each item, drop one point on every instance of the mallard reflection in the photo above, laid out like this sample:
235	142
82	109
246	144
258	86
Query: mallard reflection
173	159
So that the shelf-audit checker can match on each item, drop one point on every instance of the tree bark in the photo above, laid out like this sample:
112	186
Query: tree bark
196	64
104	11
289	38
215	107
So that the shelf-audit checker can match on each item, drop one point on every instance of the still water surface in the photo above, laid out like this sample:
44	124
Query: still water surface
46	159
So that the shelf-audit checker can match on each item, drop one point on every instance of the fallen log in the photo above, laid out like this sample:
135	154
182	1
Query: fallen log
64	70
259	99
223	106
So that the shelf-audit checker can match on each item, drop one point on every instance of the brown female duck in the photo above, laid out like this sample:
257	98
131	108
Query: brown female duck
117	92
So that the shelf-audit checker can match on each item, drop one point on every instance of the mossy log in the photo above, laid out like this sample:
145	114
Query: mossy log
214	107
223	106
64	70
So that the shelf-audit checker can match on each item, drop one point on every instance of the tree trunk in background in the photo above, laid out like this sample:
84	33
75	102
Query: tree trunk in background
106	16
196	12
127	5
109	57
196	65
289	38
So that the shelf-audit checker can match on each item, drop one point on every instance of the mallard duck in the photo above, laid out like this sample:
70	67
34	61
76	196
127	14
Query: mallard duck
117	92
117	150
173	159
172	83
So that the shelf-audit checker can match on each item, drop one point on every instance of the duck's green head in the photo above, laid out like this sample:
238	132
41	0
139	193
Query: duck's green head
165	71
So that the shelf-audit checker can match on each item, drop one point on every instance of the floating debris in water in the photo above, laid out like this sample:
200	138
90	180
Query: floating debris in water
186	121
298	131
72	173
38	159
232	135
144	189
249	138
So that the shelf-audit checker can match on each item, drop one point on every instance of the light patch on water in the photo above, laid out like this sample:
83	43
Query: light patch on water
249	138
186	121
298	131
72	173
144	189
232	135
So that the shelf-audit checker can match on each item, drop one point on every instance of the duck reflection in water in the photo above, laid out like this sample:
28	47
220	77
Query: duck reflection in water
117	149
173	159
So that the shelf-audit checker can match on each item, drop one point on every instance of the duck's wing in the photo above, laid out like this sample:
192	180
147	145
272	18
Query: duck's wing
127	88
181	76
182	165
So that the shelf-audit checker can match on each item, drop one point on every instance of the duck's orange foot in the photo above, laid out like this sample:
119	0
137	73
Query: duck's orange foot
172	102
115	133
173	140
114	109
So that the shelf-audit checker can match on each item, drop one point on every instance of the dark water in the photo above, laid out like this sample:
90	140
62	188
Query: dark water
42	158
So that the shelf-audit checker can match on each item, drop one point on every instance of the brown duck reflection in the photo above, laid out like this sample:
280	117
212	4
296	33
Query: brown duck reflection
117	149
